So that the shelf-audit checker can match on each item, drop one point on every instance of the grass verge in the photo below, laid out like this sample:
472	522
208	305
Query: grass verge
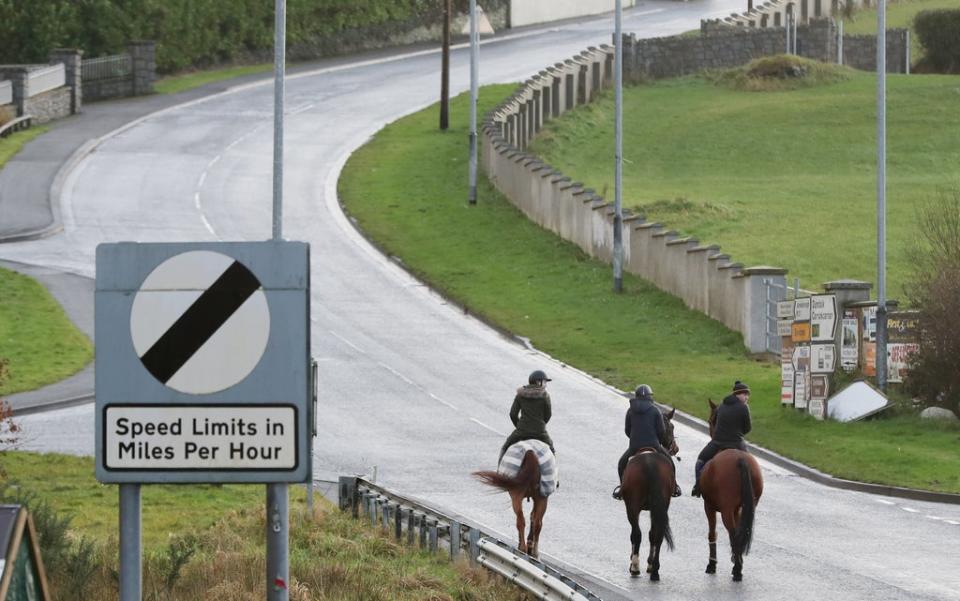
785	178
899	14
490	258
188	81
37	338
12	144
207	543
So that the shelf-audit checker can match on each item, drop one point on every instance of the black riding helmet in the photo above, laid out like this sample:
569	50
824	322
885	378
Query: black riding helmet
538	376
644	391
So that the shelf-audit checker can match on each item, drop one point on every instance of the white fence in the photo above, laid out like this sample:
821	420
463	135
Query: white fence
46	79
6	92
107	67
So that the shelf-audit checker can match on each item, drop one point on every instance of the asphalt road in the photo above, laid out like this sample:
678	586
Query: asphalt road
416	390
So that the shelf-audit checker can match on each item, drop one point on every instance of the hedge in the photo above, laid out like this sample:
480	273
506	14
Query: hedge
197	33
938	32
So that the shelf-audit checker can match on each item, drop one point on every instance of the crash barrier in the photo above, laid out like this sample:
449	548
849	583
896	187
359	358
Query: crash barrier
704	278
420	524
15	125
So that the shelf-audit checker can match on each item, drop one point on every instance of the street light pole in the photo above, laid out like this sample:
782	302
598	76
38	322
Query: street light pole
474	84
445	70
618	152
881	357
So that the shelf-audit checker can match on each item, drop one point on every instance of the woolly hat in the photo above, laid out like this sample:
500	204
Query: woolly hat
739	387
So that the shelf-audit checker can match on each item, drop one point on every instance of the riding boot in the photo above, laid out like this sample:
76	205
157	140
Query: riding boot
696	485
616	493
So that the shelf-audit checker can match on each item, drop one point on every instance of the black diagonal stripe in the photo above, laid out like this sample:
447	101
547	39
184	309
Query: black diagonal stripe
200	321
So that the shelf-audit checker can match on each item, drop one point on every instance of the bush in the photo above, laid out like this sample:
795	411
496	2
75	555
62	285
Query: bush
6	115
934	374
938	32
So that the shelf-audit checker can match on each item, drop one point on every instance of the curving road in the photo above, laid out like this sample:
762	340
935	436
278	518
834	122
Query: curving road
420	392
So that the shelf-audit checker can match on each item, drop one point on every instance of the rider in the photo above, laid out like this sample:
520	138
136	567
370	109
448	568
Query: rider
645	427
530	412
733	423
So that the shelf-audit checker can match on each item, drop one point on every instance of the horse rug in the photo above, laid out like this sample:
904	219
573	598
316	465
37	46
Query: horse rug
510	464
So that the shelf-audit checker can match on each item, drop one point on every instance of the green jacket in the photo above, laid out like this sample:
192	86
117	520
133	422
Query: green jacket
531	410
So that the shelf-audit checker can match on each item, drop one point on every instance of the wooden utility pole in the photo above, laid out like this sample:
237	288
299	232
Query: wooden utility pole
445	69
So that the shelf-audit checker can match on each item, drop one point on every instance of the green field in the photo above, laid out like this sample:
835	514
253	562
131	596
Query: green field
899	14
220	532
509	271
37	338
776	178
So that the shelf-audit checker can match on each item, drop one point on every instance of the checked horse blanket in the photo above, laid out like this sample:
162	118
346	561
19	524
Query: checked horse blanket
510	464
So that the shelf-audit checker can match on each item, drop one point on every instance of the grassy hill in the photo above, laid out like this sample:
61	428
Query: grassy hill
784	178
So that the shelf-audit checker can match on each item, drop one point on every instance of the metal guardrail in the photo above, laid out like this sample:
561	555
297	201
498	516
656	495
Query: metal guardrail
430	528
46	79
15	125
114	66
6	92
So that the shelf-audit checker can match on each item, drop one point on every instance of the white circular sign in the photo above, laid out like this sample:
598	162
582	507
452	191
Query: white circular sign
200	322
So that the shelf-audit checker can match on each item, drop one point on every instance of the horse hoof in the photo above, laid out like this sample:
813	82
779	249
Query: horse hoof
737	577
634	571
654	577
711	568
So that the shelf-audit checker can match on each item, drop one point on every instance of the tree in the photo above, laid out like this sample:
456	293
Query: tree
934	289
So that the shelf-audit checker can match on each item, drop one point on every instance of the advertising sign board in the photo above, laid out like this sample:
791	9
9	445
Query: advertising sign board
849	342
823	317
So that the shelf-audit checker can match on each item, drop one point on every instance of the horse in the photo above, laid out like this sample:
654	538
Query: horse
731	483
648	484
524	485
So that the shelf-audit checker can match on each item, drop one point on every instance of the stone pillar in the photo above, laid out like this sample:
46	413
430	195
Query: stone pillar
21	87
72	59
144	56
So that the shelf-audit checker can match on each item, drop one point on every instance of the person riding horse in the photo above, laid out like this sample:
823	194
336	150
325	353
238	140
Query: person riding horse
530	413
645	427
733	423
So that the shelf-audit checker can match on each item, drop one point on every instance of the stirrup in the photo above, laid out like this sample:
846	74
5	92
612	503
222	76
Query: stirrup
616	494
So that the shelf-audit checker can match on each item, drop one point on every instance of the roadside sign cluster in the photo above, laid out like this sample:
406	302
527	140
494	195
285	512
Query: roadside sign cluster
808	326
203	367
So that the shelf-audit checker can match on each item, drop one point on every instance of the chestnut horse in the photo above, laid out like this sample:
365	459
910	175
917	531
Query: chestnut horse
648	484
731	483
525	485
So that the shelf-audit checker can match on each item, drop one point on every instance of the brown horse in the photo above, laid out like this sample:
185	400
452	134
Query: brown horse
648	484
525	485
731	483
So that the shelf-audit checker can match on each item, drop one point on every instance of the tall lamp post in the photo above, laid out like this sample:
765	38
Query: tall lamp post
474	75
881	357
618	152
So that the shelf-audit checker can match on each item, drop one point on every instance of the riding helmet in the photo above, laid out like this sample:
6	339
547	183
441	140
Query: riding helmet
644	391
538	376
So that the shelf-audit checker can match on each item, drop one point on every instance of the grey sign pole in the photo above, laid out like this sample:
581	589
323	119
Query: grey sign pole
278	495
618	152
881	196
474	65
131	557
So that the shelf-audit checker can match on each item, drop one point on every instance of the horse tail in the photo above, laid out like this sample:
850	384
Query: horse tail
743	535
659	516
526	478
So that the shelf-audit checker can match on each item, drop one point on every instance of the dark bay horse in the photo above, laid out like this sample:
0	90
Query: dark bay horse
525	485
731	484
648	484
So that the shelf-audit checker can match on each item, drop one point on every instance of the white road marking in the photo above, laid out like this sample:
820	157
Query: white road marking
348	343
396	373
884	502
910	510
933	517
480	423
441	401
951	522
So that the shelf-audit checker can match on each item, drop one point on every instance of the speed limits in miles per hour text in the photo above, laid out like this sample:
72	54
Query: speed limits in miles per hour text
242	437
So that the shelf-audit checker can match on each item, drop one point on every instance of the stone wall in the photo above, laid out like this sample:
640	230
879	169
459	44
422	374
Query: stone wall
49	106
706	280
143	59
727	47
103	89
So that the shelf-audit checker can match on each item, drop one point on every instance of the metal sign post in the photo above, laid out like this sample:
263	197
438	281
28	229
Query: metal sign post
474	66
618	152
881	196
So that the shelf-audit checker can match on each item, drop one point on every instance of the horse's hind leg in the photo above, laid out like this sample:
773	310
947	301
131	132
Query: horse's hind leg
517	501
653	561
711	538
730	519
633	516
536	524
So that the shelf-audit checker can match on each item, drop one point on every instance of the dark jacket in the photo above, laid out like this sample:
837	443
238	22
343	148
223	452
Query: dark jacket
644	425
531	410
733	423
